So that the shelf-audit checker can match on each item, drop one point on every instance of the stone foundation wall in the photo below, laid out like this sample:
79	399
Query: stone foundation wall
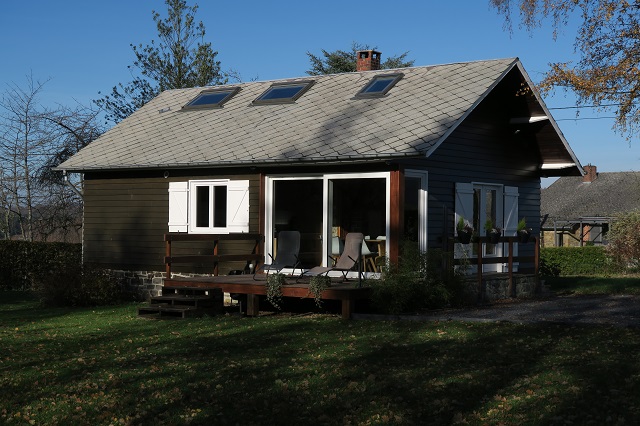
141	284
144	284
497	287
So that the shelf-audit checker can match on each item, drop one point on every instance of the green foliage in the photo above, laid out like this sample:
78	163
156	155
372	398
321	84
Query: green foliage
274	289
624	240
318	284
179	60
24	261
603	70
522	225
340	61
590	260
418	282
579	285
78	286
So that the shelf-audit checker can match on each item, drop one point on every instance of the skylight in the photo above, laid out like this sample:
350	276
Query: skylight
379	85
213	98
280	93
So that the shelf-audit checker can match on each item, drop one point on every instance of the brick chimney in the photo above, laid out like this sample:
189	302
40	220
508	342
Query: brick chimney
367	60
591	173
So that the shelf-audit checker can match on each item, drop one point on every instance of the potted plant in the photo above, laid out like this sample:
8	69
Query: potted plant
464	231
492	232
274	289
522	231
318	284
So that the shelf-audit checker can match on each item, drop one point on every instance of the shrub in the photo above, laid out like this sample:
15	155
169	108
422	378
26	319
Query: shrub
590	260
82	286
624	239
418	282
24	261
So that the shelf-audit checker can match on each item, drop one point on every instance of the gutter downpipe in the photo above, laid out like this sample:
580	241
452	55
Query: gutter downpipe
70	185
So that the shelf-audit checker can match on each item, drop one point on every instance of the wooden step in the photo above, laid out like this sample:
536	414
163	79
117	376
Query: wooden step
170	311
198	301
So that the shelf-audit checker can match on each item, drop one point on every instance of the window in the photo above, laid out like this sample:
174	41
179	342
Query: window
477	203
218	206
211	98
325	206
281	93
379	85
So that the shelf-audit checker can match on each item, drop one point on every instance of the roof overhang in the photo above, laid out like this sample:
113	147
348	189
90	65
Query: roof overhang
557	157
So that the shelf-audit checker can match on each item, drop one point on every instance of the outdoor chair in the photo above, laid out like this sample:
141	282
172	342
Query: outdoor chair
349	258
287	251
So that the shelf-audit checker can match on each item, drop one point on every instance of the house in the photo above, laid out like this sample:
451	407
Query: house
396	154
578	211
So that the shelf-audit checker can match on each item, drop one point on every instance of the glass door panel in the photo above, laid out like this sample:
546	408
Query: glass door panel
297	206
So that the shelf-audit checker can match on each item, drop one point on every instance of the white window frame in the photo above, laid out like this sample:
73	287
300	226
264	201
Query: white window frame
327	207
182	206
507	219
423	198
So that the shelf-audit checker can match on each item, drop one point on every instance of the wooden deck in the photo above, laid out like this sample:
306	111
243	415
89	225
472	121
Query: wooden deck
347	292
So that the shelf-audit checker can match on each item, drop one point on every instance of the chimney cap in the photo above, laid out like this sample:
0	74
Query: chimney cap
368	60
591	173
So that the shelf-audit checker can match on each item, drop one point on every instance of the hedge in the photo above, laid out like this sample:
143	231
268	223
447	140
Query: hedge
588	260
21	262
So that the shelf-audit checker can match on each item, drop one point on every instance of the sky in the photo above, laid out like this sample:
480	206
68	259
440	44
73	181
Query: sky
82	47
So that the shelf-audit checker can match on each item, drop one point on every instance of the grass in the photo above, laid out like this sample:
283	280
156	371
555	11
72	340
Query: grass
595	285
105	366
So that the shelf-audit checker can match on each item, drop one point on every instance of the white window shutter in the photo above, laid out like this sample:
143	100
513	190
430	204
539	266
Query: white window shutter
178	202
464	209
464	203
511	220
238	206
510	211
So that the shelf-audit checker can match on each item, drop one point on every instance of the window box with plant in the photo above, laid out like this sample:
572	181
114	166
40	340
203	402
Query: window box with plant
492	232
523	232
464	231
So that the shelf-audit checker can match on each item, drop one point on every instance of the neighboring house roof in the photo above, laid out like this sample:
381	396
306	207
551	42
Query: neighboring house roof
571	199
327	123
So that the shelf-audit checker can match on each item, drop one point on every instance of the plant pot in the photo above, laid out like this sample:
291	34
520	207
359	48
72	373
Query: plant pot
464	237
523	236
494	237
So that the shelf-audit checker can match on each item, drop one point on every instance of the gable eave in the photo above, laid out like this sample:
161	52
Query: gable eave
468	112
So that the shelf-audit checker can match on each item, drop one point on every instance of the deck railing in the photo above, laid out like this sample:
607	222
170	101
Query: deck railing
253	258
479	260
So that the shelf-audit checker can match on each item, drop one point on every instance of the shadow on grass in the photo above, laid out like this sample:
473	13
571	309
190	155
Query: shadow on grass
105	363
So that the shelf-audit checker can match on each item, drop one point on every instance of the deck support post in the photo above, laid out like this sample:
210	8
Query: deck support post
253	305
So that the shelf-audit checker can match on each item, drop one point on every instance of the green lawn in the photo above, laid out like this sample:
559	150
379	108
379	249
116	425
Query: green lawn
595	285
105	366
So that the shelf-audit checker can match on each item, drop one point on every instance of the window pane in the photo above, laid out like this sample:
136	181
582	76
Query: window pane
202	206
412	187
379	84
220	206
490	214
211	98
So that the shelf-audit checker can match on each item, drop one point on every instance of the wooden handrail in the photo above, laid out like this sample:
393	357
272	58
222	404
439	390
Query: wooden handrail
214	259
480	261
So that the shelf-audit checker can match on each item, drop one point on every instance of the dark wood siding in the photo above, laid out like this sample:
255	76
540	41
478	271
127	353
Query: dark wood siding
125	219
484	149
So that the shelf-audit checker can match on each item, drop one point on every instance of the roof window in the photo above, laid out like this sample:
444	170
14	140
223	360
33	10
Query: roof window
379	85
212	98
283	93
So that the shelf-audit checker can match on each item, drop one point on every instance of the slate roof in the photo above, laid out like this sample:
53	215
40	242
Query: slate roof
326	124
569	198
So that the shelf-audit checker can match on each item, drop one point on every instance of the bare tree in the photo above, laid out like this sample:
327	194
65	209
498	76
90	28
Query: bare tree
32	140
